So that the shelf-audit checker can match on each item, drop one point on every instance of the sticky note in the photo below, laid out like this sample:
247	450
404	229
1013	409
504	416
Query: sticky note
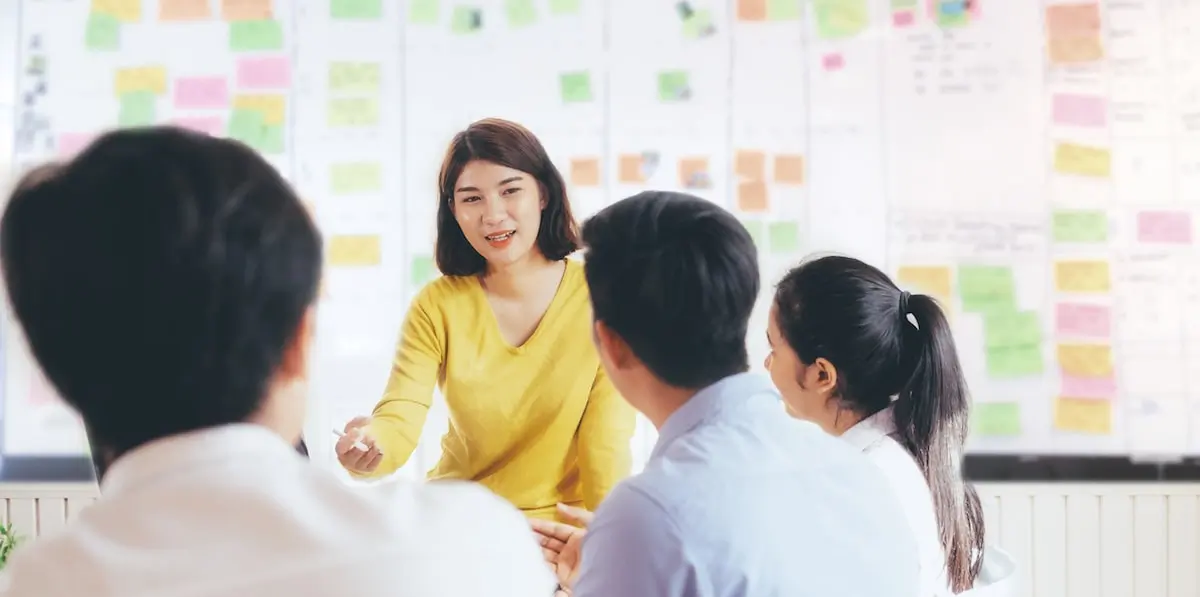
757	232
125	11
354	178
1082	160
575	87
423	12
520	13
699	24
1074	109
933	280
904	4
564	7
1081	276
1012	328
693	173
1165	227
422	270
833	62
209	125
466	19
183	10
1080	226
1088	387
271	140
152	79
1013	361
253	36
750	164
201	93
783	10
840	19
354	250
353	112
752	10
783	237
585	172
986	287
246	125
272	106
137	109
752	196
1085	360
903	18
246	10
1082	320
996	419
272	72
673	86
952	13
354	77
629	169
789	169
356	9
1073	19
69	144
1076	49
1081	415
103	32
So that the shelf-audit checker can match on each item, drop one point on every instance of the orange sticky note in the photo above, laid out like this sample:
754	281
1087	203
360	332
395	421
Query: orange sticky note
1070	19
933	280
629	169
183	10
752	10
1075	49
1085	360
789	169
354	250
1083	415
1082	276
693	173
752	196
585	172
751	164
246	10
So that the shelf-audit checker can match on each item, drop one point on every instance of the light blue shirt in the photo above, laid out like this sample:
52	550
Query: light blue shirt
740	500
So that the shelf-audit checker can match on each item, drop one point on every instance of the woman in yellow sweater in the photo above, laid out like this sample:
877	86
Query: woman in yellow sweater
506	334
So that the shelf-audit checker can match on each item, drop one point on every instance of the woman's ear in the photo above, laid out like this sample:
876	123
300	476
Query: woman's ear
825	376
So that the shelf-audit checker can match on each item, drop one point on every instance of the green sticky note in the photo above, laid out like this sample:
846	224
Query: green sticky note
783	237
839	19
423	12
271	140
466	19
355	177
1080	226
137	109
564	7
757	232
576	87
699	24
520	13
103	32
783	10
356	9
985	288
952	13
253	36
904	4
673	86
994	419
422	270
246	126
1014	361
1003	328
353	111
354	77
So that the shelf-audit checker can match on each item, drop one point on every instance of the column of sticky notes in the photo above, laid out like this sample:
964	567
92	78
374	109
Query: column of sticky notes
353	106
258	112
756	172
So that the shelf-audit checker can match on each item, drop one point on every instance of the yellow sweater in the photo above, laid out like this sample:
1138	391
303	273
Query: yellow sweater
537	424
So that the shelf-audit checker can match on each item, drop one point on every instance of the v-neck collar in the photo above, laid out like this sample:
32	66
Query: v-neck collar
570	269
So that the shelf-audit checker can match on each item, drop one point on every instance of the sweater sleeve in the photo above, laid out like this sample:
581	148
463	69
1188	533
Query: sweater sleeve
604	434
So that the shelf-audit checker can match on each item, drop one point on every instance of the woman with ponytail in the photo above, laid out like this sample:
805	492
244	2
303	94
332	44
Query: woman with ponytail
877	366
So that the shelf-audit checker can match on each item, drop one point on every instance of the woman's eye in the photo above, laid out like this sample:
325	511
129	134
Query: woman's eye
512	191
470	199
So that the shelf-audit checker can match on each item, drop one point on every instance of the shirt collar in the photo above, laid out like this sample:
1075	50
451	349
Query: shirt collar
736	391
192	450
870	430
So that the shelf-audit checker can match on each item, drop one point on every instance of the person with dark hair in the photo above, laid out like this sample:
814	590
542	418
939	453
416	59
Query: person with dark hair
165	281
737	499
506	335
877	366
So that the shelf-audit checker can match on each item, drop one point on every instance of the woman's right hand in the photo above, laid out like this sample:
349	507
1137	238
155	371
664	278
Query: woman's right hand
356	459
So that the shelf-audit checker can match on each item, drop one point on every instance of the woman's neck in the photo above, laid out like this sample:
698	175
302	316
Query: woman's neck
518	278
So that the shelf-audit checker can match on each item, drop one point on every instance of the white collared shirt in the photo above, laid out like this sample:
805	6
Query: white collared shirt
234	511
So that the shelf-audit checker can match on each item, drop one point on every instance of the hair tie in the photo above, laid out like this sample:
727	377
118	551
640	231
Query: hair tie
904	295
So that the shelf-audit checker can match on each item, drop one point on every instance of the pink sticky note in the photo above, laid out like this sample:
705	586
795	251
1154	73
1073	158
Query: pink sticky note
264	73
1073	109
1088	387
70	144
833	62
903	18
1083	320
211	125
1167	227
201	92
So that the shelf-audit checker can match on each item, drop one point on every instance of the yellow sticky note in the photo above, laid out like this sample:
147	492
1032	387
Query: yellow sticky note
126	11
933	280
272	107
355	250
353	111
355	177
1083	415
1086	360
354	77
1081	160
143	78
1081	276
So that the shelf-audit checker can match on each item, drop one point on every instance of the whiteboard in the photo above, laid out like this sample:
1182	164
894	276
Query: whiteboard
1034	165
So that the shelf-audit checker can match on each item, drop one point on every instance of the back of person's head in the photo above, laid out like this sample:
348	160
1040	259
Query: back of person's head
163	280
849	319
675	277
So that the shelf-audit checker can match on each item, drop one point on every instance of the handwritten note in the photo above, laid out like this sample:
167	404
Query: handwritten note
560	8
466	19
693	173
585	172
103	33
986	287
255	36
1073	109
757	231
840	19
1080	226
201	93
151	79
354	77
750	164
1085	360
356	9
273	72
1081	320
272	107
1088	387
209	125
357	250
1082	160
1082	276
1081	415
353	112
1012	343
125	11
752	10
520	13
933	280
575	87
422	270
353	178
246	10
1165	227
752	196
783	237
183	10
137	109
789	169
423	12
996	419
673	86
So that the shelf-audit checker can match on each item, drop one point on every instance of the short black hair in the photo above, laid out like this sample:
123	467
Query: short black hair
513	146
159	278
676	277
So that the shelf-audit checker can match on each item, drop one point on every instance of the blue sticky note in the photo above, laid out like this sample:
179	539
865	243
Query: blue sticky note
953	8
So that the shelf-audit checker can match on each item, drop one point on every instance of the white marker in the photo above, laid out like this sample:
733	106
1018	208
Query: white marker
358	445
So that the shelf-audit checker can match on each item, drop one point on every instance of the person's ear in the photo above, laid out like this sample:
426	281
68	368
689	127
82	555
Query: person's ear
612	348
294	366
823	376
